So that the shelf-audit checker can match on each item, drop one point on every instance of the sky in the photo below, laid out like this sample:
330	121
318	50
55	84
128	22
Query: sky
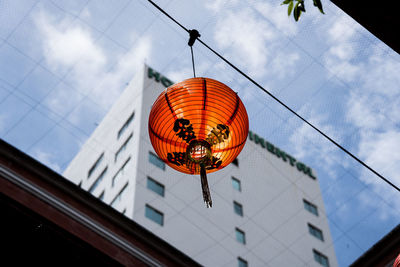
63	64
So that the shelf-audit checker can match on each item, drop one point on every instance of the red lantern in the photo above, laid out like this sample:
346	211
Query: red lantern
396	262
198	126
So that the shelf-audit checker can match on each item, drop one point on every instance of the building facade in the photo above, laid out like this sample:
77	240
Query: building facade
267	207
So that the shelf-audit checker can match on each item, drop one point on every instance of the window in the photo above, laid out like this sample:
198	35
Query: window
97	163
118	197
155	186
242	262
154	215
123	147
120	173
156	161
315	232
321	258
236	184
98	180
238	208
126	124
101	197
235	162
310	207
240	236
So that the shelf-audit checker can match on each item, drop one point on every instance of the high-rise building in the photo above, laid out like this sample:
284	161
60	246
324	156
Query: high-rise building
267	206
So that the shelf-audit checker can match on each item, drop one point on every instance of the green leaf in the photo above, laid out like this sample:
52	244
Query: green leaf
318	4
290	8
286	2
296	12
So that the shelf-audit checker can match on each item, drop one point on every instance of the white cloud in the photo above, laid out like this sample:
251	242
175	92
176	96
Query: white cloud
382	73
376	114
373	105
245	36
383	149
343	29
66	44
253	42
217	5
341	37
180	73
371	112
47	159
69	46
109	84
284	64
308	144
278	16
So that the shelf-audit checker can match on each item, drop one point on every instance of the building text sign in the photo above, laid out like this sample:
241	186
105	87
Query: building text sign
281	154
158	77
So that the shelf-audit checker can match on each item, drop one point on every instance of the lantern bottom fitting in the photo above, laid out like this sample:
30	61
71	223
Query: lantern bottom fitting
198	151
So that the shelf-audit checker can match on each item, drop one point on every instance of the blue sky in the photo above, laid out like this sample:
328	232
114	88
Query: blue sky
63	63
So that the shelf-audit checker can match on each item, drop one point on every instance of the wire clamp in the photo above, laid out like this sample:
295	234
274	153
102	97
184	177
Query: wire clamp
194	34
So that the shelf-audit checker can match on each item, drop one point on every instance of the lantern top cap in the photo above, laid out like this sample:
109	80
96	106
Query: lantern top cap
198	79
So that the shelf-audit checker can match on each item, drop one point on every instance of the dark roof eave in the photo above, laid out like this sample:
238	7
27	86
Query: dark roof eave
378	17
83	201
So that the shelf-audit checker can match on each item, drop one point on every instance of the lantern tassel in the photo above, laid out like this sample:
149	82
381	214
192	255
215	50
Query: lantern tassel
204	186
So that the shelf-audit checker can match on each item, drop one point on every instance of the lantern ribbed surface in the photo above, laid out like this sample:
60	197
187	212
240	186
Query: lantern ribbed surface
198	122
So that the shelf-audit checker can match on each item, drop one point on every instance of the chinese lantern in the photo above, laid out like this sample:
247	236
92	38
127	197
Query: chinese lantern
198	126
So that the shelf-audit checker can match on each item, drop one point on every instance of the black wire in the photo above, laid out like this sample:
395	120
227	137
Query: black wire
194	72
279	101
166	14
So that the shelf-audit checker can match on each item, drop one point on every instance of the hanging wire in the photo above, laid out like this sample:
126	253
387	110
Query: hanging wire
279	101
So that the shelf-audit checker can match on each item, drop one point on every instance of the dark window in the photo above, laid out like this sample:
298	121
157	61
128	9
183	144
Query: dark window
101	197
126	124
310	207
238	208
120	173
321	258
123	147
154	215
156	161
117	199
315	232
242	262
155	186
97	163
235	162
98	180
240	236
236	184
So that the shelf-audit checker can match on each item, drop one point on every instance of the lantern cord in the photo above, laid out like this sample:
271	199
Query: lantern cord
193	35
280	102
204	186
194	71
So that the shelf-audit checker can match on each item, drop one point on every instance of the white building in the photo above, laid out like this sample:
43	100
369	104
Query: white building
267	207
